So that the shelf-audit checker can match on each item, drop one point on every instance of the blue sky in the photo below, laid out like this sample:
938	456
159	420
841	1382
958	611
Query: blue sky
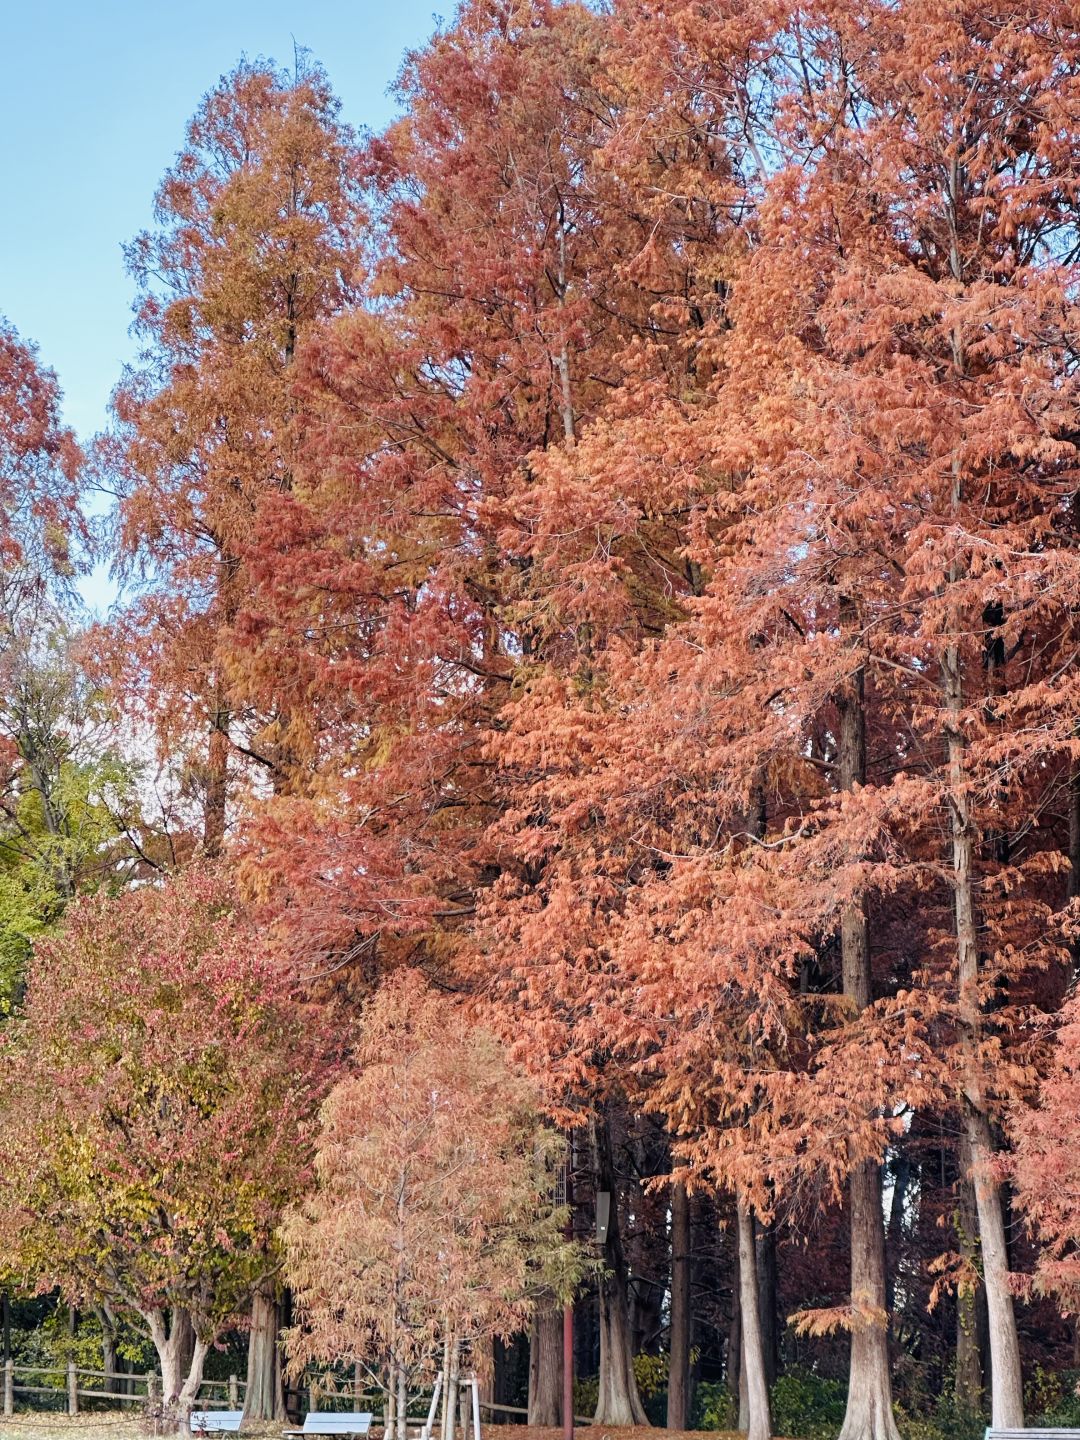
95	97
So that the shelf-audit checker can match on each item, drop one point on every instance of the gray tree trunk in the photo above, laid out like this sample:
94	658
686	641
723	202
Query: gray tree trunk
264	1396
868	1415
1006	1380
759	1422
181	1356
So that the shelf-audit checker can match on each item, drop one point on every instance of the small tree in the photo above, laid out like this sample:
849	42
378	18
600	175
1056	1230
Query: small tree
434	1222
158	1093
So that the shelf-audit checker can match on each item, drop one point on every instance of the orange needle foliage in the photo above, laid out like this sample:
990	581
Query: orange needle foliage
433	1219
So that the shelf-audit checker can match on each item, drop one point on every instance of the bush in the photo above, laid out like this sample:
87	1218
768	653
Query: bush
1051	1398
586	1394
808	1406
714	1408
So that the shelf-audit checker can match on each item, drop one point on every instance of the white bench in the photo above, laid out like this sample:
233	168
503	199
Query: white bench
212	1422
1039	1432
328	1422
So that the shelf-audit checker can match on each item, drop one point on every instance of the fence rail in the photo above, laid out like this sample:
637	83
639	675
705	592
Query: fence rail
120	1386
139	1389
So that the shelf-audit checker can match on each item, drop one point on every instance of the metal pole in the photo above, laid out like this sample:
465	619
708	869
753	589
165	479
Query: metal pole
568	1309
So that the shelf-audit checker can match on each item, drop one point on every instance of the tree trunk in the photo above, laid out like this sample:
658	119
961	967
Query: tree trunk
868	1415
759	1423
618	1401
678	1396
1006	1389
390	1402
446	1411
969	1378
108	1344
735	1376
768	1306
181	1356
546	1368
453	1388
869	1402
403	1400
189	1391
264	1397
217	777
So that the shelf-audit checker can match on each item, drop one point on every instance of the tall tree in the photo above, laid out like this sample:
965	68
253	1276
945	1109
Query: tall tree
257	239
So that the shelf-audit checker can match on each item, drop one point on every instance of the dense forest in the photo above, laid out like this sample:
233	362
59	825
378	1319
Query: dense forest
579	796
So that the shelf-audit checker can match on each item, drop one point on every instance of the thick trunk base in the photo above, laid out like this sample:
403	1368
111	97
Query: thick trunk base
264	1397
546	1369
869	1400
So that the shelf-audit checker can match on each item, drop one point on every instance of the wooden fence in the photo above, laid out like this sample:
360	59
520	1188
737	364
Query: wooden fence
72	1385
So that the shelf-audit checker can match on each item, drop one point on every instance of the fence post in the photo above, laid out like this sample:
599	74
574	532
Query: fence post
234	1393
73	1388
9	1387
152	1395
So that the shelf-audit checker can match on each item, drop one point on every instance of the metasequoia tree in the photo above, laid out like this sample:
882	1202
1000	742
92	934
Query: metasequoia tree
257	238
949	274
824	557
509	271
492	339
433	1223
161	1089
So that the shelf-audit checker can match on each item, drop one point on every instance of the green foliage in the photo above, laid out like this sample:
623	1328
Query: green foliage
715	1408
651	1374
586	1394
808	1406
1051	1397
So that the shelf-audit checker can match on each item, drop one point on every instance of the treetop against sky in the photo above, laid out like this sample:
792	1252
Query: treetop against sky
94	111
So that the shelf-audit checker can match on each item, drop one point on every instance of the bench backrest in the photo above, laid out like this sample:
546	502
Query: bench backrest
329	1423
207	1421
1038	1432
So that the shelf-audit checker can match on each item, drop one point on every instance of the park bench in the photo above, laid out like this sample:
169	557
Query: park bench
319	1422
212	1422
1038	1432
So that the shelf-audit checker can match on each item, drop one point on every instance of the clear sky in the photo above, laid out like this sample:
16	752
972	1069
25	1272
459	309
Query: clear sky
95	97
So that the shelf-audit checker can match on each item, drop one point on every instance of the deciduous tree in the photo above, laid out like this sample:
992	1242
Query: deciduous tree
161	1090
434	1221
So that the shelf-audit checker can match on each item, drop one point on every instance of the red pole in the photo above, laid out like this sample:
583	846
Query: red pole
568	1372
568	1310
